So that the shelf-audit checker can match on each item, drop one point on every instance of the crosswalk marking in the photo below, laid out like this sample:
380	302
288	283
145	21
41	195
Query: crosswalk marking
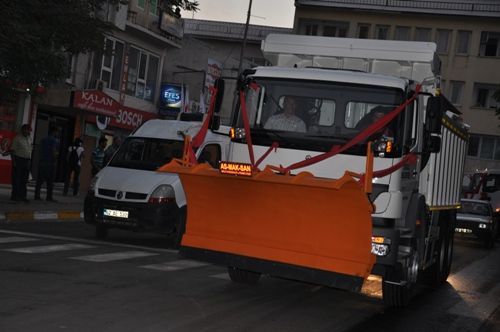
50	248
14	239
100	258
175	265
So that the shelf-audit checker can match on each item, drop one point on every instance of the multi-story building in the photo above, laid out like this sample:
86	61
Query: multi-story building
467	34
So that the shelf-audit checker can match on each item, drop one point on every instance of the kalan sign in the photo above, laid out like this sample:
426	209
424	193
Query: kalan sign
171	96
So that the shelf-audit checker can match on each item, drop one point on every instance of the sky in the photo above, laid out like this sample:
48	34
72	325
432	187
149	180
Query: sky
264	12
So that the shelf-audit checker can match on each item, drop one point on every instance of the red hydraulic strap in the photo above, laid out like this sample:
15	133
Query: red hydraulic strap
410	159
370	130
202	133
274	146
246	124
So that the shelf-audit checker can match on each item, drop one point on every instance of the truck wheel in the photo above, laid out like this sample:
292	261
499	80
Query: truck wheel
180	228
243	276
101	231
398	285
449	239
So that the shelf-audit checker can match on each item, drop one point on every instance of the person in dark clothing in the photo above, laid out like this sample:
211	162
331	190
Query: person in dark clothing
98	156
75	155
47	165
20	152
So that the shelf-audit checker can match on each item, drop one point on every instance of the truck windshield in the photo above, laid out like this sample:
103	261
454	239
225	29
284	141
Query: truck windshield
315	115
146	153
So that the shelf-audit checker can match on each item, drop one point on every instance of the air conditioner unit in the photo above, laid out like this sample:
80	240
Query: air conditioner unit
100	85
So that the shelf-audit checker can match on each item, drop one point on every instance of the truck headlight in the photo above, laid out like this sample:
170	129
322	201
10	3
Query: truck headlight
381	246
162	194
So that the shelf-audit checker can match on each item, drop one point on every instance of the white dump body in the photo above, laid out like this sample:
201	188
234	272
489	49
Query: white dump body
412	60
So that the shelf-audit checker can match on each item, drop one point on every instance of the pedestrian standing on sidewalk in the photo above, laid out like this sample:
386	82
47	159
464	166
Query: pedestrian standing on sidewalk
20	152
110	151
75	155
47	165
98	155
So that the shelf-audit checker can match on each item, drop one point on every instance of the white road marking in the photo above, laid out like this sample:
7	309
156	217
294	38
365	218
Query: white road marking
14	239
175	265
44	215
223	276
100	258
50	248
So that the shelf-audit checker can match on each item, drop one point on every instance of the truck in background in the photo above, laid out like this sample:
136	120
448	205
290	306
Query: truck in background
130	194
304	217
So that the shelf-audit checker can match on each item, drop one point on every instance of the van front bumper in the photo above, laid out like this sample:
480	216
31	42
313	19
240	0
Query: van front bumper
161	217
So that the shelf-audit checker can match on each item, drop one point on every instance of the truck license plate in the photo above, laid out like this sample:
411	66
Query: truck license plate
115	213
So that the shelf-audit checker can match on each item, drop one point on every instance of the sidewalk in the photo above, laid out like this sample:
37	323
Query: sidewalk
66	208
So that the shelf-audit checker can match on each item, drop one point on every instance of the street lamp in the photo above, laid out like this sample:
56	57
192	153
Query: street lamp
244	37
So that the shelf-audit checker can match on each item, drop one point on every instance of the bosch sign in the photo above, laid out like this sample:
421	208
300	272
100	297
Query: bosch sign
171	96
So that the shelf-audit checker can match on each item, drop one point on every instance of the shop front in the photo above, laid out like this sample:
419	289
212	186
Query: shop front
104	117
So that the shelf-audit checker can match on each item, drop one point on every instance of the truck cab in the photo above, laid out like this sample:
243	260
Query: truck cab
130	194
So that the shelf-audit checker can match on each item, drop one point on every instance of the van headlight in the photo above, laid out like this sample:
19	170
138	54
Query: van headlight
93	183
162	194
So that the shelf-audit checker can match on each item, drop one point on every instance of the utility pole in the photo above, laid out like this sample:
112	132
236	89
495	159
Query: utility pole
245	37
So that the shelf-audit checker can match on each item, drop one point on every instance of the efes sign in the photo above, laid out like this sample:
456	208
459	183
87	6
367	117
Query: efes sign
171	96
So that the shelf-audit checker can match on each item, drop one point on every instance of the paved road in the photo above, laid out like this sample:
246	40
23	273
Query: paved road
57	277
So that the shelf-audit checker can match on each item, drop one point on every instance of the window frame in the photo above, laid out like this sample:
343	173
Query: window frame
438	39
458	51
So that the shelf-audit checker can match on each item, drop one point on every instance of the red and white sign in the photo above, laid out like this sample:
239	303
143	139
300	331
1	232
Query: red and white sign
120	116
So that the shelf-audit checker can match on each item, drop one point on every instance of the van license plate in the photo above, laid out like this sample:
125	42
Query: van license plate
115	213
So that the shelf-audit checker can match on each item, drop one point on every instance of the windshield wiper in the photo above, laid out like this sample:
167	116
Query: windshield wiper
340	138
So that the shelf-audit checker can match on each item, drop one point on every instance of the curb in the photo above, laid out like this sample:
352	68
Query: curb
41	215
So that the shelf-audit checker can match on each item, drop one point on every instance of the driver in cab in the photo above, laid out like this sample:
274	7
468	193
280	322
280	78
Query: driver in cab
287	120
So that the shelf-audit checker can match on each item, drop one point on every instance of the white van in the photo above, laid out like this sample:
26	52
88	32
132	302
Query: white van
130	194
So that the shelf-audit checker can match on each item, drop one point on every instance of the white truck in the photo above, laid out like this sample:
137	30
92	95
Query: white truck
130	194
419	151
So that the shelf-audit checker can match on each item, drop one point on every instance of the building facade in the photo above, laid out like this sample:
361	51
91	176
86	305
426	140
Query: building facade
467	34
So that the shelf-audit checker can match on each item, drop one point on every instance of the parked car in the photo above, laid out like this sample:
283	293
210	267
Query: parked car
476	218
130	194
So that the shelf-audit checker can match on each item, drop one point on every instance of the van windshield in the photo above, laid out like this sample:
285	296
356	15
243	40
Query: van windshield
146	153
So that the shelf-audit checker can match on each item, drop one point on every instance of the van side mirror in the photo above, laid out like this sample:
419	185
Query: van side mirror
434	115
219	85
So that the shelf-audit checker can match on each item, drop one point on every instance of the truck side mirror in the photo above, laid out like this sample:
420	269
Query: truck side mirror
219	85
215	122
434	114
434	144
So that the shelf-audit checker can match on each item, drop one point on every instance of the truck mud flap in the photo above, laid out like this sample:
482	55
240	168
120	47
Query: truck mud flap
301	220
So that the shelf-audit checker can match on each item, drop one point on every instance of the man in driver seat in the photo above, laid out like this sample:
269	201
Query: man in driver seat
287	120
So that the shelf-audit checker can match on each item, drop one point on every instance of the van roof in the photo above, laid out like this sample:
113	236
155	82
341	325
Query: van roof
167	129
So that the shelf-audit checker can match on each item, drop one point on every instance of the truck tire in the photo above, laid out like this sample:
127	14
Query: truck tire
399	284
448	222
243	276
101	231
180	228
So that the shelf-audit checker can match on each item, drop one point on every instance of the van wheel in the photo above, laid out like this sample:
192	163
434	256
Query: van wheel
180	228
101	231
243	276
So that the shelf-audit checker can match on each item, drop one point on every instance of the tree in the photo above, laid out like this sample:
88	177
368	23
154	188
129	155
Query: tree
37	36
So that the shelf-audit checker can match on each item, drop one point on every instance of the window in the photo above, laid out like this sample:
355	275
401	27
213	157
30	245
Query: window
456	89
140	4
335	29
363	31
484	147
211	154
111	65
490	44
463	42
142	74
153	7
484	95
402	33
311	29
382	31
443	41
423	34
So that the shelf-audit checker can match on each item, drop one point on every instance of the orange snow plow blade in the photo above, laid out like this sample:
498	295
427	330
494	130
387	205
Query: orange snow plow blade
299	221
